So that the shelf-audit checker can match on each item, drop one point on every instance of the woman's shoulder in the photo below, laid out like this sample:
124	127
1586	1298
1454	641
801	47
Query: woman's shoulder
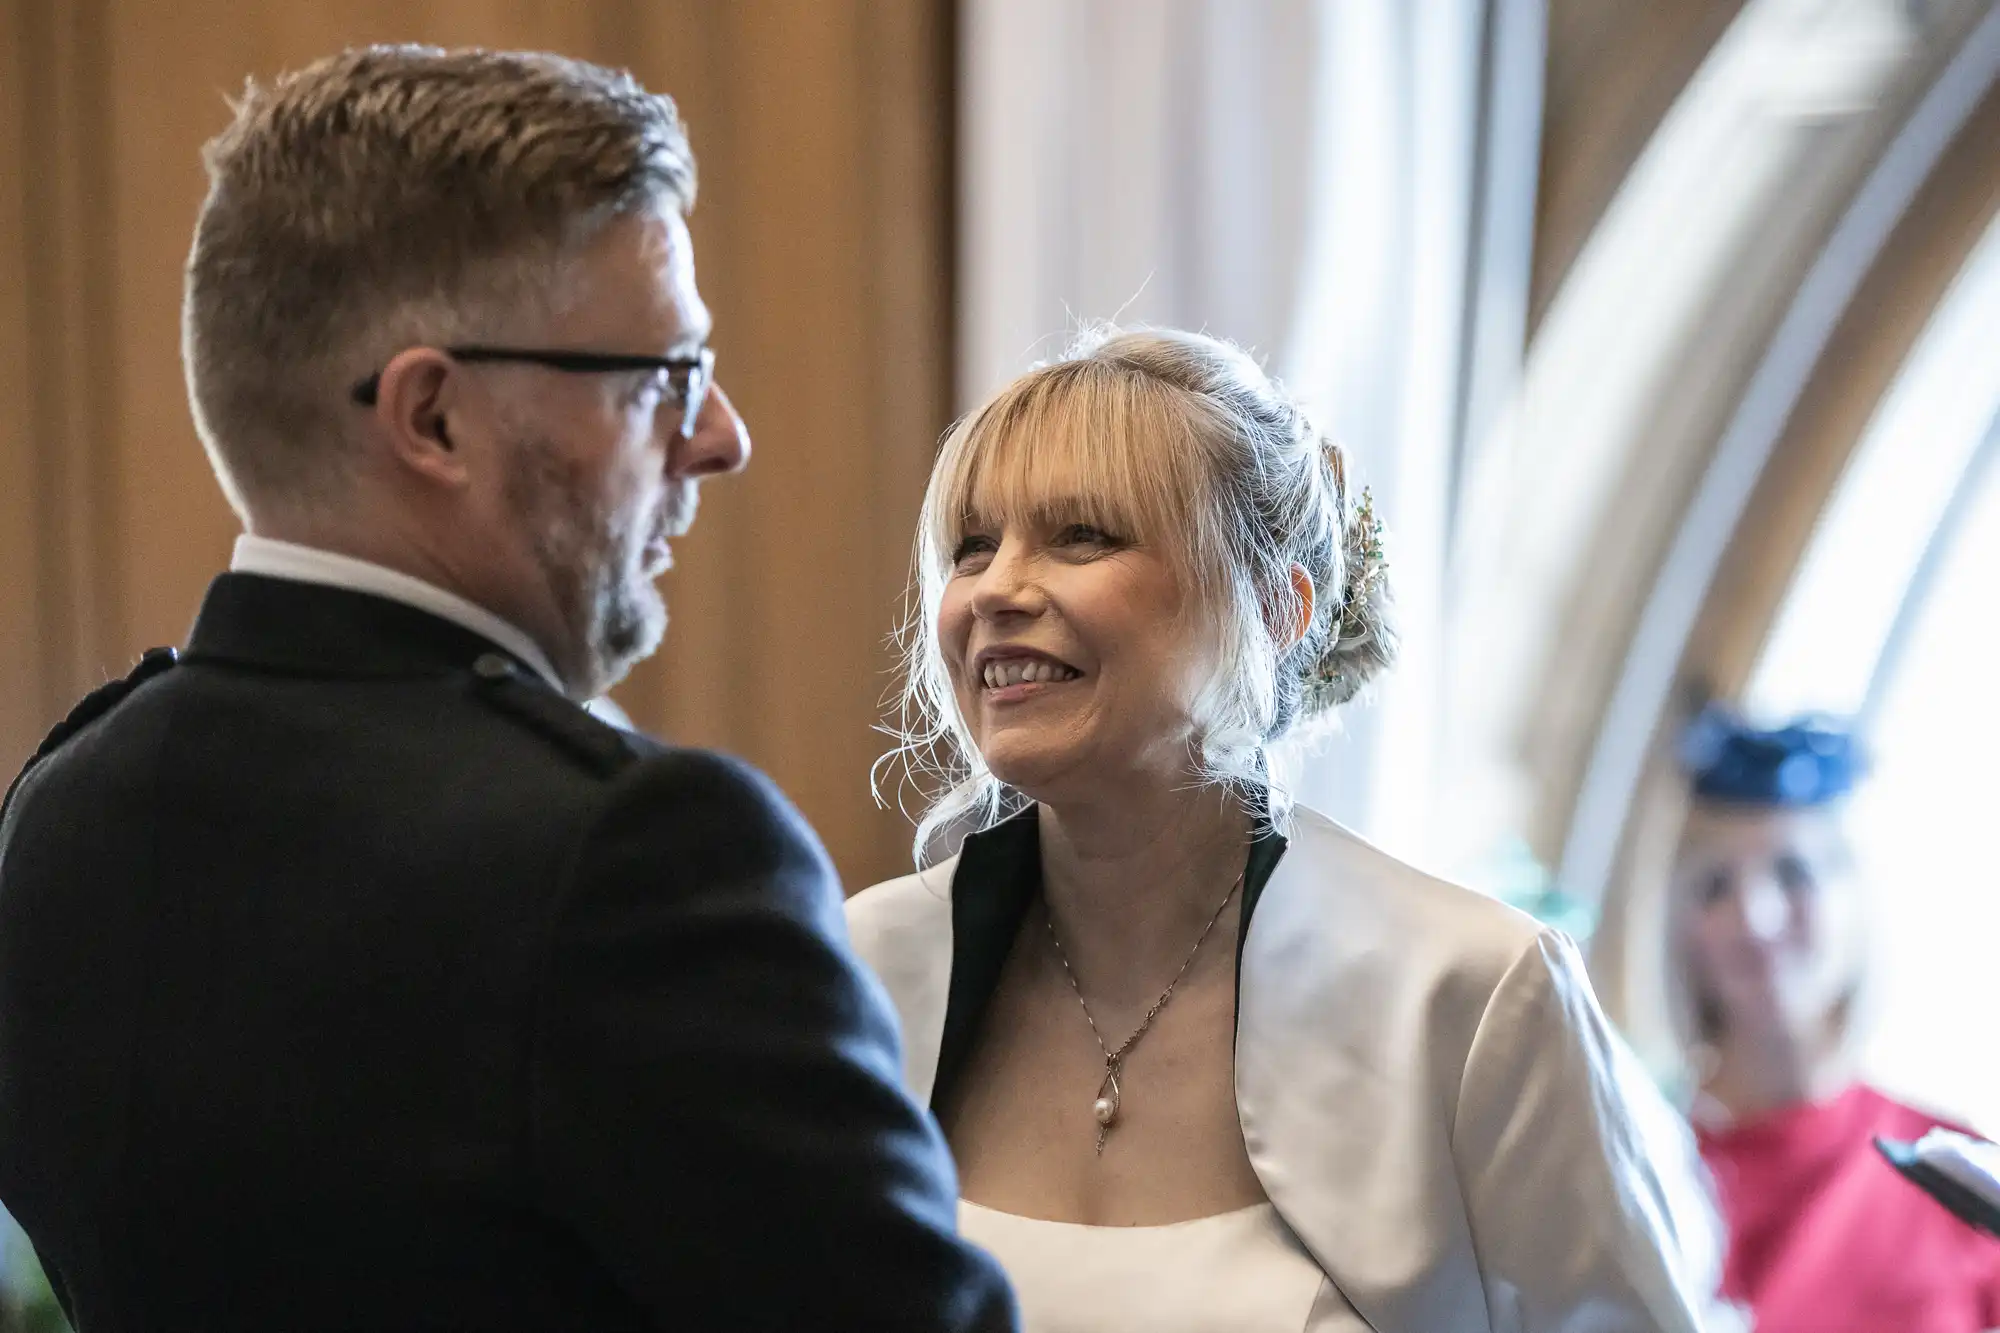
1344	927
902	912
901	928
1895	1116
1356	885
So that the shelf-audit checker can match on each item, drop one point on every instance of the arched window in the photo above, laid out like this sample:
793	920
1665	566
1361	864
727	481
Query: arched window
1891	619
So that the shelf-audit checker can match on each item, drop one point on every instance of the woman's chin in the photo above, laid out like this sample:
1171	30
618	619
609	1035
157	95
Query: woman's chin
1039	772
1059	767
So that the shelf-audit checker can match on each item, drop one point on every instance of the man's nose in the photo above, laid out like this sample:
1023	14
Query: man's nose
720	442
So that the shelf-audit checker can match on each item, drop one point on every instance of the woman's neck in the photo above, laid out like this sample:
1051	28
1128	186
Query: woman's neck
1758	1071
1132	879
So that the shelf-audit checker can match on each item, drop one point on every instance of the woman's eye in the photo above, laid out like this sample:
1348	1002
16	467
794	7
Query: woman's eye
972	551
1083	534
1715	888
1793	872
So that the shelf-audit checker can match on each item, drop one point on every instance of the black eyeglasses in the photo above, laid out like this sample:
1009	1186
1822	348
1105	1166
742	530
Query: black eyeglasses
689	376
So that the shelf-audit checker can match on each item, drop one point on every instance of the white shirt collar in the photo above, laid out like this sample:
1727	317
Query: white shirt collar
309	564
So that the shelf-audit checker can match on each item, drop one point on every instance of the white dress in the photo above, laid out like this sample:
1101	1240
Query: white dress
1237	1272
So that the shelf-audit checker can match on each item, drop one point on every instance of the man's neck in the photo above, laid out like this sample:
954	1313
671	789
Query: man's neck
416	558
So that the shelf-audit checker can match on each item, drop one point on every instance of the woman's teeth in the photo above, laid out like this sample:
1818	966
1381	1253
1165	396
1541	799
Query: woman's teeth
1021	671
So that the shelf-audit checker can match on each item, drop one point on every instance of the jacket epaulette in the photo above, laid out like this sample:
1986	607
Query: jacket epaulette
599	745
94	705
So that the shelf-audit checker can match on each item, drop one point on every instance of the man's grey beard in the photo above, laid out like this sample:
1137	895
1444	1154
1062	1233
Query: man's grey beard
614	616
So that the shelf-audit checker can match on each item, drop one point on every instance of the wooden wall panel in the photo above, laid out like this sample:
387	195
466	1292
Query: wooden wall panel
822	131
822	234
21	646
60	513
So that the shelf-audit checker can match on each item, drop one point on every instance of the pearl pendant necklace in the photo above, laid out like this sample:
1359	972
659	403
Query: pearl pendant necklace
1110	1096
1105	1108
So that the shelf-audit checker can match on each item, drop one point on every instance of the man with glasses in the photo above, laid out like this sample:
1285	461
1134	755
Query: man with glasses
351	974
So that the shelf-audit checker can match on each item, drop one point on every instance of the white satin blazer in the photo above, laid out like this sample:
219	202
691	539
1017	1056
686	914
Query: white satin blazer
1428	1091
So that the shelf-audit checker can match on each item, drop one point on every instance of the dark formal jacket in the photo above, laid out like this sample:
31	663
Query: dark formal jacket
351	978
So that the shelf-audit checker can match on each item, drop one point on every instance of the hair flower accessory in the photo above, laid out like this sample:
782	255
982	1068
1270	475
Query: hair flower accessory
1329	683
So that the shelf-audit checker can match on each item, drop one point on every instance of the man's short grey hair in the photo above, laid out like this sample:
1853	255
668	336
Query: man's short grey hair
387	197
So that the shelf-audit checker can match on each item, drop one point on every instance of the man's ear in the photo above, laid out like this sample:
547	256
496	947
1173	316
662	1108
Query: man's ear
420	391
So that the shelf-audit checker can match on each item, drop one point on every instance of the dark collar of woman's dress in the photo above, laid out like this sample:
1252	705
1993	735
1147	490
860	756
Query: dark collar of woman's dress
999	877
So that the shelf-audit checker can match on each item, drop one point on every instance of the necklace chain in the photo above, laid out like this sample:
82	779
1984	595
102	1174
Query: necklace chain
1109	1094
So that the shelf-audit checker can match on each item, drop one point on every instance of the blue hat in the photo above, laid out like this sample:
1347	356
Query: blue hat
1809	762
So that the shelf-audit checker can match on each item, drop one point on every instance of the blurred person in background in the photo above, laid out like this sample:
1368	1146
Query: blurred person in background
1768	927
352	975
1207	1060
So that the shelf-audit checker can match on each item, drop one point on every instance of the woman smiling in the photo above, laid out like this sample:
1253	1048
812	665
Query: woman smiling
1207	1060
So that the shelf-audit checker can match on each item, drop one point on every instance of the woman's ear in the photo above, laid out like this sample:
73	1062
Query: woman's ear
1302	587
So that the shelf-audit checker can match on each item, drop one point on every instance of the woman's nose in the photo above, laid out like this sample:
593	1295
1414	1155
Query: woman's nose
1767	912
1006	587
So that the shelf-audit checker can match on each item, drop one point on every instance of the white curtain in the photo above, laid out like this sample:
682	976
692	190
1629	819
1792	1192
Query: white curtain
1344	186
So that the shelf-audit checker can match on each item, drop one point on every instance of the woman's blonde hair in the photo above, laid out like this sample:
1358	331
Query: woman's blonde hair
1183	440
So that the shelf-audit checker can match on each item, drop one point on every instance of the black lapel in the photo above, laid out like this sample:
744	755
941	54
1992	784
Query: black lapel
998	878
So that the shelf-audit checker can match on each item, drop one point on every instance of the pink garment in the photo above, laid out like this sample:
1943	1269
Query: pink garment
1826	1237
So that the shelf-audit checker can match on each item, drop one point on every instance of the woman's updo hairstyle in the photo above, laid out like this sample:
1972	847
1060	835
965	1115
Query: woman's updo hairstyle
1185	442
